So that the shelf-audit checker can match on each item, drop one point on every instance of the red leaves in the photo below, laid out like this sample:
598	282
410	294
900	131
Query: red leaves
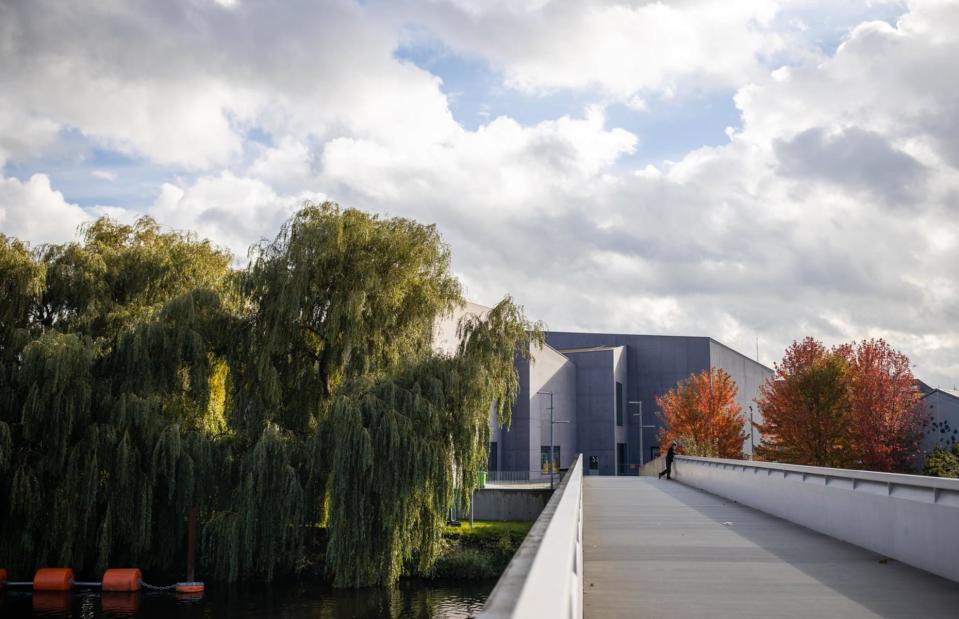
701	416
886	420
805	408
854	406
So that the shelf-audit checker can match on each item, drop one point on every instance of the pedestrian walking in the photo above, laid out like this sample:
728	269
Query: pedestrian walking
670	454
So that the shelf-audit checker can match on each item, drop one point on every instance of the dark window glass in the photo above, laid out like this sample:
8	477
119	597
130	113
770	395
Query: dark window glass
493	457
594	463
544	458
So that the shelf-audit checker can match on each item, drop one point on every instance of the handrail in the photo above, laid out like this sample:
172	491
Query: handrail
899	479
910	518
545	576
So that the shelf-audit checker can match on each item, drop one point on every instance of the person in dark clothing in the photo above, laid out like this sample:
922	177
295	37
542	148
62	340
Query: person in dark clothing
669	462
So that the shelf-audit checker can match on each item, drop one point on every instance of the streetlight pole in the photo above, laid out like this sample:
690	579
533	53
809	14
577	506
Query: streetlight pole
552	450
752	444
642	453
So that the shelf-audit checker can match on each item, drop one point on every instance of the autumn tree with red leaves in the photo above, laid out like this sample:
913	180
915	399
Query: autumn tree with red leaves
806	408
701	416
886	420
852	406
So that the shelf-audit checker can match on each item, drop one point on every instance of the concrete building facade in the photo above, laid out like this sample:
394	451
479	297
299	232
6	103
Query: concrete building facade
598	382
602	387
941	407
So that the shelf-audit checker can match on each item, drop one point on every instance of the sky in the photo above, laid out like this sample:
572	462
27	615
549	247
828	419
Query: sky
752	171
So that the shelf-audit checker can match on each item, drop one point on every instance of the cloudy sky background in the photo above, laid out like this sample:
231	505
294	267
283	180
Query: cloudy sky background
735	169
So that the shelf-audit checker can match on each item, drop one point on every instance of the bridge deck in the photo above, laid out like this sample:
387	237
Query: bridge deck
660	549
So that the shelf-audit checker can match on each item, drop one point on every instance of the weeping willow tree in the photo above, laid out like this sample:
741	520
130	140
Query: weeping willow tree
85	449
142	376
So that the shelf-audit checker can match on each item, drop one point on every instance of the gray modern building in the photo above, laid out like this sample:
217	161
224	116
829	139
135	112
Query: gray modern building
589	393
942	409
602	387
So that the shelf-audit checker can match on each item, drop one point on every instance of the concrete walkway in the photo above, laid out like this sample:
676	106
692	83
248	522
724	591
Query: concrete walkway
662	550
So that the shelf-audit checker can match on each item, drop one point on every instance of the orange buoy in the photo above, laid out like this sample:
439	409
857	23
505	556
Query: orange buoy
53	579
122	579
189	587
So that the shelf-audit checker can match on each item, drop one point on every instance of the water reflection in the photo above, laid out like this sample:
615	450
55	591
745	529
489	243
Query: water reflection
412	599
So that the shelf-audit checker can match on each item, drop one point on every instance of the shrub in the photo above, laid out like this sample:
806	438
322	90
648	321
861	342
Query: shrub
943	463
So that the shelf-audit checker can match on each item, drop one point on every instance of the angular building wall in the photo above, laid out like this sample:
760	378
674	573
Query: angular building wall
520	447
942	408
749	375
654	365
599	383
595	407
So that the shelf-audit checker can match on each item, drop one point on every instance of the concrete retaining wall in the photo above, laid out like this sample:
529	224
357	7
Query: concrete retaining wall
510	503
910	518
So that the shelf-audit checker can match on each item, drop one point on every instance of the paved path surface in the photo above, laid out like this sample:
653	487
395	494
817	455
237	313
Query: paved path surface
659	549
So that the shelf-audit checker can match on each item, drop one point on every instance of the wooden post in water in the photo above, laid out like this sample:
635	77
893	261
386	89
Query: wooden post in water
191	546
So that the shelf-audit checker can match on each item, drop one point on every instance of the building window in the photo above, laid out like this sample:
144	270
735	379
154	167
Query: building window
544	459
619	404
620	458
493	459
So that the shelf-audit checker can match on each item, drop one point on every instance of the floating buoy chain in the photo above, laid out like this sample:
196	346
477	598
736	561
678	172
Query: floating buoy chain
147	585
123	579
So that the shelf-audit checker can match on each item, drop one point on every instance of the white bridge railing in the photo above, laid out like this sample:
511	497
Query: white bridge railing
910	518
545	576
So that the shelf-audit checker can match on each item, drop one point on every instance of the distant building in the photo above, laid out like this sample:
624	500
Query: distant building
942	408
597	383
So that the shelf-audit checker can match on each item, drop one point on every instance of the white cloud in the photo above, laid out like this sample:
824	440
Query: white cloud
502	170
106	175
617	47
831	211
182	82
33	211
815	219
22	135
289	164
235	212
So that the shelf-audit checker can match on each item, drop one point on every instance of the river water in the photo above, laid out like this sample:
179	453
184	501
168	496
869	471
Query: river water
412	598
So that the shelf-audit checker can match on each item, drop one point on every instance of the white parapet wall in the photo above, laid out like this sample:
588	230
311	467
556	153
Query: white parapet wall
910	518
545	576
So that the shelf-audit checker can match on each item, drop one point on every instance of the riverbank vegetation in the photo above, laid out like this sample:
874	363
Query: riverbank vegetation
142	375
480	550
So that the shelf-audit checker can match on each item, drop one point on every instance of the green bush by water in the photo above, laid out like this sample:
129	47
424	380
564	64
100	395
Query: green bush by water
482	550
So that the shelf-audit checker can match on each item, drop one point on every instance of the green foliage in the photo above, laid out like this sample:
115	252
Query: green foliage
479	551
466	564
140	376
943	462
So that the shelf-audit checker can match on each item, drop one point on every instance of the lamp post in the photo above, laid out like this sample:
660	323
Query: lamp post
752	444
642	454
552	449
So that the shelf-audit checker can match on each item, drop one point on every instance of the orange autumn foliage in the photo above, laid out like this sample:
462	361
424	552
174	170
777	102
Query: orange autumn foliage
701	416
805	408
886	420
852	406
